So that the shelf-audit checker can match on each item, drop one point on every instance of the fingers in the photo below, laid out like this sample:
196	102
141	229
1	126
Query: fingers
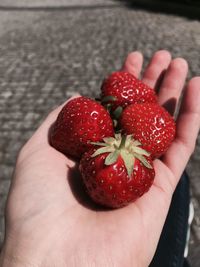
133	63
188	124
173	84
158	64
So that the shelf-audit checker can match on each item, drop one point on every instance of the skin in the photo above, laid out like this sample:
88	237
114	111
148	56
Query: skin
50	221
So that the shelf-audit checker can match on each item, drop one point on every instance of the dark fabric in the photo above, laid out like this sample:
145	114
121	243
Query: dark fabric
170	250
186	264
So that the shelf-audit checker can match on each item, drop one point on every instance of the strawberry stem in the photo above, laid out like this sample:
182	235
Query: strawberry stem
123	141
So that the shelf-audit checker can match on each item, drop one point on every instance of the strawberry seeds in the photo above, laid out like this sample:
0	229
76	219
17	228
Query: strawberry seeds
115	140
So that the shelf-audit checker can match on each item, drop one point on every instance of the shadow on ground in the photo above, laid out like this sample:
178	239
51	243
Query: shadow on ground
186	8
189	9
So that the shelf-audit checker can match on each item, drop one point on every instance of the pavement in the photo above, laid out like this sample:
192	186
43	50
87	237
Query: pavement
50	51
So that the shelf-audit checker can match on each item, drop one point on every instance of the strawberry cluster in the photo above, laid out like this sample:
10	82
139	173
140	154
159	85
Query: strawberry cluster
116	139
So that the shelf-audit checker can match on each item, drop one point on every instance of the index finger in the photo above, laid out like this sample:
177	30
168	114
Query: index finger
133	63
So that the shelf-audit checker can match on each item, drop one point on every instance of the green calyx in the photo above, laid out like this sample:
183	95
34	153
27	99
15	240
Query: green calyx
124	146
117	112
108	98
108	103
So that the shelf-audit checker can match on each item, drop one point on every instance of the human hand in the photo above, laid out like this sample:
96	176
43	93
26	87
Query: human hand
50	221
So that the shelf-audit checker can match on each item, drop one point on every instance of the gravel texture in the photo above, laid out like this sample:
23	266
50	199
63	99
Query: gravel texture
47	55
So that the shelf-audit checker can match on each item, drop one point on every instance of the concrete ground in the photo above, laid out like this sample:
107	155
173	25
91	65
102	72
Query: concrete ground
49	51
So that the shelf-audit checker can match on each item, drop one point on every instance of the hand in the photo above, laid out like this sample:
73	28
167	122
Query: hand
49	223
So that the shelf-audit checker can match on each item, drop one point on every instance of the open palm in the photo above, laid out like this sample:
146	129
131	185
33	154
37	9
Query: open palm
50	221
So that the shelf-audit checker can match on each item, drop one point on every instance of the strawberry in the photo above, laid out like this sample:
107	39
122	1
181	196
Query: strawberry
123	89
118	172
80	122
151	125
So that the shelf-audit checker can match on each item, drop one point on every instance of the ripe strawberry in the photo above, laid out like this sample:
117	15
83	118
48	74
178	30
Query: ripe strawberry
81	121
117	173
123	89
151	125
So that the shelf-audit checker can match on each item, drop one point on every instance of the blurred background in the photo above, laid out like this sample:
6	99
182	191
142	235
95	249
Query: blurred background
51	49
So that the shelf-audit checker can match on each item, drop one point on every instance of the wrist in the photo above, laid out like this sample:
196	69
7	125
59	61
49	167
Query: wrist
9	257
7	260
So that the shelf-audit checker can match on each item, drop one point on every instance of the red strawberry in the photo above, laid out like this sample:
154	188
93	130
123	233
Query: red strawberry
81	121
123	89
117	173
151	125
